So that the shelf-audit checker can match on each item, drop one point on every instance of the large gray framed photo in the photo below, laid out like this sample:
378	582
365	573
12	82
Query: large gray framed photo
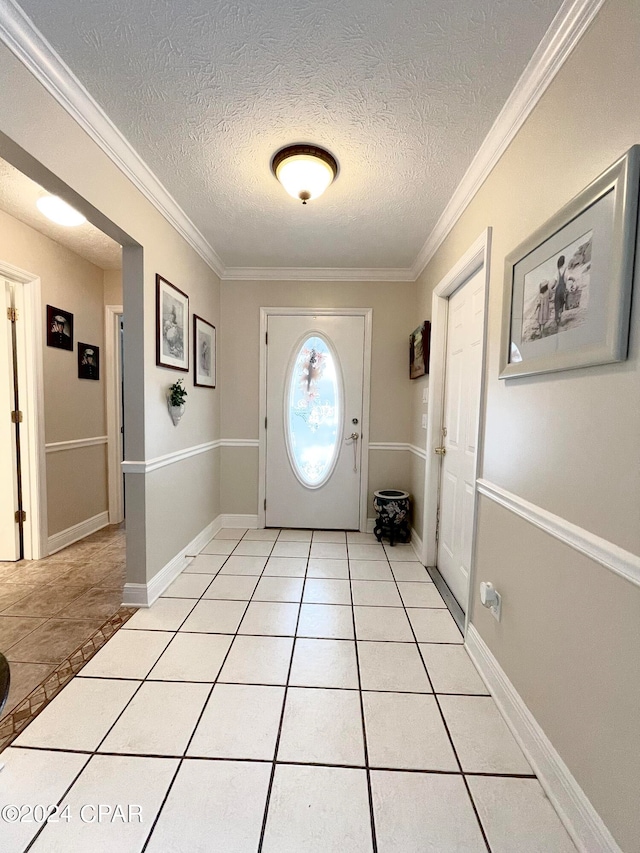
568	286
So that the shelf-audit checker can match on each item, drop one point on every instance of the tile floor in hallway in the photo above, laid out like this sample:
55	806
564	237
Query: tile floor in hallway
289	693
49	607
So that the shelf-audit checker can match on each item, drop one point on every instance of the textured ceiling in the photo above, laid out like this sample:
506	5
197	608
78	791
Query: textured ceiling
18	196
401	91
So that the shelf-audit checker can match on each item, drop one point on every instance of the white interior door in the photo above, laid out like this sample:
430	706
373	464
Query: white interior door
463	368
9	529
314	393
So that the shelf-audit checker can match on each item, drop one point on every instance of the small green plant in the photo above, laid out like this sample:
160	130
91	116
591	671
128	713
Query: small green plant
177	393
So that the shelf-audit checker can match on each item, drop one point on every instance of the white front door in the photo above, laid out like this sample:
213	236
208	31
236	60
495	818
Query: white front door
314	393
9	529
463	368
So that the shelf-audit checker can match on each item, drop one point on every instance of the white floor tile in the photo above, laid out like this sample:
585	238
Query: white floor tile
215	617
324	568
206	564
230	533
405	730
192	657
335	536
274	619
219	546
392	666
239	721
112	780
358	538
318	810
451	670
517	816
232	587
334	621
409	572
128	654
370	570
279	589
159	720
375	593
420	595
258	660
382	623
80	715
213	807
253	548
321	591
328	550
434	626
244	566
366	552
322	726
482	740
290	548
165	614
33	776
188	586
287	567
419	812
401	553
324	663
265	534
287	535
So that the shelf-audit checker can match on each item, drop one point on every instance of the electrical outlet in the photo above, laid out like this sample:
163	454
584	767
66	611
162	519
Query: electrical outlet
491	599
424	422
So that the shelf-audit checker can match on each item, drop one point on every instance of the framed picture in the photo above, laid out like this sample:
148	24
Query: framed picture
567	297
59	328
204	353
88	361
172	326
419	343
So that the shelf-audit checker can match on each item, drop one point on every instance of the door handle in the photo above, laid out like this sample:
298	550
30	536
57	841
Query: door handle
440	451
353	437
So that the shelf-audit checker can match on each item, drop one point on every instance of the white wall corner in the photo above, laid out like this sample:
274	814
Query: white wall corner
583	823
248	522
78	531
416	544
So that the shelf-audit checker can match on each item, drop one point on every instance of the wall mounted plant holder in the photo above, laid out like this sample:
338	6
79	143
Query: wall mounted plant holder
175	401
176	413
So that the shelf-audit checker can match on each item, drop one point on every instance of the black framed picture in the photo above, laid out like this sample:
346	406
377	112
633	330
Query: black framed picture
59	328
88	361
172	326
419	344
204	353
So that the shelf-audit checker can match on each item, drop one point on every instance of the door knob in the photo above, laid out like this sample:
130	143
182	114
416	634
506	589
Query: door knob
441	451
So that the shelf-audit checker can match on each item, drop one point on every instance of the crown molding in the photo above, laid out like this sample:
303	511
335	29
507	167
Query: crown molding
317	274
25	41
564	33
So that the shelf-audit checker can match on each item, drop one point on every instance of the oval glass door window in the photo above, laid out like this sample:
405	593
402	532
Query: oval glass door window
313	412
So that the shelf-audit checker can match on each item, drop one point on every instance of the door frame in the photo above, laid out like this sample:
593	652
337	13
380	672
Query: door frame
477	257
265	313
31	383
113	386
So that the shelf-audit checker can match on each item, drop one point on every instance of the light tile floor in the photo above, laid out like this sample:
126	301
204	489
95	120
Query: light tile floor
291	692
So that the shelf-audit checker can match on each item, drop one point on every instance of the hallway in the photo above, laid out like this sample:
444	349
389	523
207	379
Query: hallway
289	693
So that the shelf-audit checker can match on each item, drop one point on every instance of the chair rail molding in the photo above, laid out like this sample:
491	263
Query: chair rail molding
75	443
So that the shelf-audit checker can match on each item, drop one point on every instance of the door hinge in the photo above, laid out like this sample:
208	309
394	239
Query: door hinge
12	314
265	503
21	516
16	417
266	338
437	524
265	423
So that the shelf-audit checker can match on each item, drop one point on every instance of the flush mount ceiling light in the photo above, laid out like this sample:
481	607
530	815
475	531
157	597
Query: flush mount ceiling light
305	171
59	211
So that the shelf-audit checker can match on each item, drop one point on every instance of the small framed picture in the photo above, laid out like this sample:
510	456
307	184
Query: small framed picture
59	328
568	286
419	344
172	326
88	361
204	353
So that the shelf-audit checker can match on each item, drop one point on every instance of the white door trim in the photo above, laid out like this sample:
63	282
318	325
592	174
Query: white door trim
113	373
31	382
475	258
367	313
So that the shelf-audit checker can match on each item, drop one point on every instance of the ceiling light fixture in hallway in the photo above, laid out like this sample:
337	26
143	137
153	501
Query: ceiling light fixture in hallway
305	171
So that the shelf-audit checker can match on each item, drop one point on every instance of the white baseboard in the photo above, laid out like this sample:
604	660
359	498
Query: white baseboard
416	543
583	823
144	594
73	534
248	521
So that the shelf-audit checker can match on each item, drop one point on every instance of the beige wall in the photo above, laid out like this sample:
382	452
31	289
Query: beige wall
73	408
112	287
239	348
111	201
567	442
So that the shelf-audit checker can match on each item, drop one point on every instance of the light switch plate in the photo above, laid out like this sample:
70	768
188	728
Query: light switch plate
425	393
424	422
